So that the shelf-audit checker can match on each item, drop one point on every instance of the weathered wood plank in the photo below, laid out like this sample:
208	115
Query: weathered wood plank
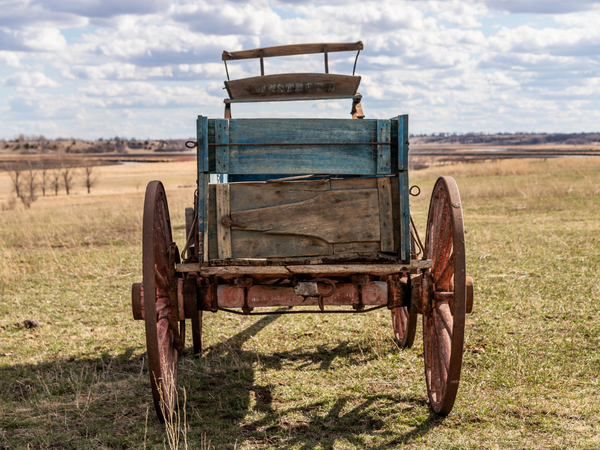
302	159
383	151
241	270
396	212
381	269
245	196
341	269
253	244
358	247
386	220
222	152
294	49
223	210
356	257
339	184
292	86
334	216
212	222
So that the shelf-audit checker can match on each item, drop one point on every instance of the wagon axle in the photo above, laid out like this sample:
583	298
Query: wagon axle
239	293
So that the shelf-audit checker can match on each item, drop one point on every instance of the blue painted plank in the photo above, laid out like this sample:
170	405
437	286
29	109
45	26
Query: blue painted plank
202	139
302	130
383	151
203	179
297	160
222	152
403	187
404	216
202	136
301	161
403	142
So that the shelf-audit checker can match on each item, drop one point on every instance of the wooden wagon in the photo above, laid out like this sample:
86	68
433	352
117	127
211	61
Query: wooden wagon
326	229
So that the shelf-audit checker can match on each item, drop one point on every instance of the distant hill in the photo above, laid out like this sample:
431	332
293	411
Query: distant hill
39	145
502	139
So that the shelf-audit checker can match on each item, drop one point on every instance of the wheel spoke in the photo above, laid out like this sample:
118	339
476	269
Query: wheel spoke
445	316
427	351
442	281
161	283
435	364
443	249
444	341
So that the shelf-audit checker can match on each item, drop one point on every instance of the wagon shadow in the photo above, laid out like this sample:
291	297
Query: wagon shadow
101	398
226	391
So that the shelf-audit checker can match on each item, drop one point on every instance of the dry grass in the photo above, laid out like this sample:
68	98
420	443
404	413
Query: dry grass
531	374
512	167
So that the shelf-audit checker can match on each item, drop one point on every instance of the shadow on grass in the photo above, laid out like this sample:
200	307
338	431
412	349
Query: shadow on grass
104	401
76	403
224	395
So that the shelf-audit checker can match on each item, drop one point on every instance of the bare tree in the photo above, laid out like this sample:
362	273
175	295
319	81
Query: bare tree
29	195
90	176
44	174
15	172
24	181
67	172
55	179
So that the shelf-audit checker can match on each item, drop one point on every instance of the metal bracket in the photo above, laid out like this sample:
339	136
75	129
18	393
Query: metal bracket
226	221
245	283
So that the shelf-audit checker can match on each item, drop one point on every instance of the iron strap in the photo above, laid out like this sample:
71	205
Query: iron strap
300	144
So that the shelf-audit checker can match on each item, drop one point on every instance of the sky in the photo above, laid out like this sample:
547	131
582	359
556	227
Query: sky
147	68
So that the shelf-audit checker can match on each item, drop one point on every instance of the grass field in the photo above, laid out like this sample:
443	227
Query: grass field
531	371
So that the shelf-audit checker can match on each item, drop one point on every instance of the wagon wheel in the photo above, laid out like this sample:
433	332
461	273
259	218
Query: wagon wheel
191	310
159	281
405	326
445	292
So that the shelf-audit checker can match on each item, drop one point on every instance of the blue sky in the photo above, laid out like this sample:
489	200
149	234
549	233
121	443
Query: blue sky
147	68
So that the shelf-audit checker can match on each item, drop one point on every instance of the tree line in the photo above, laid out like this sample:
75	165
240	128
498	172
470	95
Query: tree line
32	177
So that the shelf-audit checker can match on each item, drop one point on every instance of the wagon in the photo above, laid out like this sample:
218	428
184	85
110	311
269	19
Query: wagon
308	214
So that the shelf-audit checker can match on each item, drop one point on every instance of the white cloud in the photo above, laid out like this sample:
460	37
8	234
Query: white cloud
138	94
11	59
103	8
30	79
228	18
542	6
440	60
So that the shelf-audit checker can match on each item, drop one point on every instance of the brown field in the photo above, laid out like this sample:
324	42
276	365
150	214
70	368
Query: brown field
531	369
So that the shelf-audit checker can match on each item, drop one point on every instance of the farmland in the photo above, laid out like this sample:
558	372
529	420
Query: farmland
531	370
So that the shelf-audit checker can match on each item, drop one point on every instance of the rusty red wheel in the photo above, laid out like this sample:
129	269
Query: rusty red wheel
404	324
445	295
163	335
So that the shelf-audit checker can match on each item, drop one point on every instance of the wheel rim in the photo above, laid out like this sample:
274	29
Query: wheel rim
445	291
162	354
